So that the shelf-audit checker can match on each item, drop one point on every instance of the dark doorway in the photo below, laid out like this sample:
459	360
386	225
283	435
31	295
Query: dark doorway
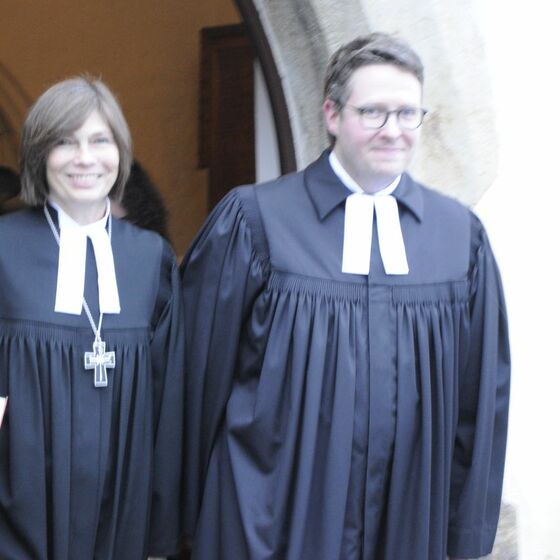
226	117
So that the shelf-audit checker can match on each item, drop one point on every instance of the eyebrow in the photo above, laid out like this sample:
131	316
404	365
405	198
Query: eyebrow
105	132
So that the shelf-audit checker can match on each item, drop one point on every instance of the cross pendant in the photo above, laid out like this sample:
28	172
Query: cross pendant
99	360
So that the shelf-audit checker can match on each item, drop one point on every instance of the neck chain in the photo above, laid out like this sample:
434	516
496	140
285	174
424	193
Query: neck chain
98	360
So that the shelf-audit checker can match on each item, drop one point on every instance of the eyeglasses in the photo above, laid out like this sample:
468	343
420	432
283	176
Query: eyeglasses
372	117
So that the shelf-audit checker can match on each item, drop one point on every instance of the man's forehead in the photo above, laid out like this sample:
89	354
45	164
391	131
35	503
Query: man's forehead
383	69
388	77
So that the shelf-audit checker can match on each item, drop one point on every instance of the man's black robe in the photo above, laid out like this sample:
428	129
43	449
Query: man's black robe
336	416
89	472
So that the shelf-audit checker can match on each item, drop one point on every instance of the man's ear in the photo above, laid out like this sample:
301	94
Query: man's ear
332	116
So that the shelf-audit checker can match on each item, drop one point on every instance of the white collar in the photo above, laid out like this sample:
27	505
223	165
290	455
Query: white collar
72	264
358	226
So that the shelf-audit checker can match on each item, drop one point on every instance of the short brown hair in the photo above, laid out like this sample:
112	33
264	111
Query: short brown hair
59	111
377	48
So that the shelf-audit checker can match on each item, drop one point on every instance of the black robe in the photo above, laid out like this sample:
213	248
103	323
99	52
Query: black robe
338	416
89	472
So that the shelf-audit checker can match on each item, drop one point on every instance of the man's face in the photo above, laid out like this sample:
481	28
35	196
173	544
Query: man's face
374	157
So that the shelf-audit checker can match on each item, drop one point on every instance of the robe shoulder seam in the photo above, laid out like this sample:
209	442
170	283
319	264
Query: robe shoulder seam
251	211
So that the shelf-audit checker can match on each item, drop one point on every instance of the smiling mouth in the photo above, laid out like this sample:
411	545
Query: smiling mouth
84	176
388	148
84	180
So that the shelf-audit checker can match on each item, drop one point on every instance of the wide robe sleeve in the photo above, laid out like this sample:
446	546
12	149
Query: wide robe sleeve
483	399
167	356
222	274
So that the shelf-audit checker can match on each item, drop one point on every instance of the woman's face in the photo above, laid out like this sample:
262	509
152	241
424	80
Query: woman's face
83	167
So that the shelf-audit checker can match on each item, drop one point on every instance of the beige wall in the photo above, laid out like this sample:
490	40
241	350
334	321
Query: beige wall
148	52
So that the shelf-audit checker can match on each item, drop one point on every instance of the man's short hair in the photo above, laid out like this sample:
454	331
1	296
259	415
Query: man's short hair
377	48
60	111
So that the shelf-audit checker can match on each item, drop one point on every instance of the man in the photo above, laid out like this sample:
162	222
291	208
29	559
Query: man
348	362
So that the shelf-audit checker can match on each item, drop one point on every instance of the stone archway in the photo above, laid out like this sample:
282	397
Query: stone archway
293	40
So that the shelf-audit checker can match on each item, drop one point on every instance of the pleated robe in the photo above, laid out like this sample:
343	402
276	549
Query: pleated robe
85	472
336	416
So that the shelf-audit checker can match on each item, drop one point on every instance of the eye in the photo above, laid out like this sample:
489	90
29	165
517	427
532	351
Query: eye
66	141
409	113
372	112
102	140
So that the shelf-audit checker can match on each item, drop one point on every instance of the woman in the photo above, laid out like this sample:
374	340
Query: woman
90	348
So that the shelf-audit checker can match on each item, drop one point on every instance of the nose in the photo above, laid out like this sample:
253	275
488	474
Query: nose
391	127
84	154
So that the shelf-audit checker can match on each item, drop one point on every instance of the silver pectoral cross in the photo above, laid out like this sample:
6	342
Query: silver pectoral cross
99	360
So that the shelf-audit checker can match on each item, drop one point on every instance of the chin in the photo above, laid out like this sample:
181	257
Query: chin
389	171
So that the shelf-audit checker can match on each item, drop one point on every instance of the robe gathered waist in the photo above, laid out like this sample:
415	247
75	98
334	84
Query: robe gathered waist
53	332
456	291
